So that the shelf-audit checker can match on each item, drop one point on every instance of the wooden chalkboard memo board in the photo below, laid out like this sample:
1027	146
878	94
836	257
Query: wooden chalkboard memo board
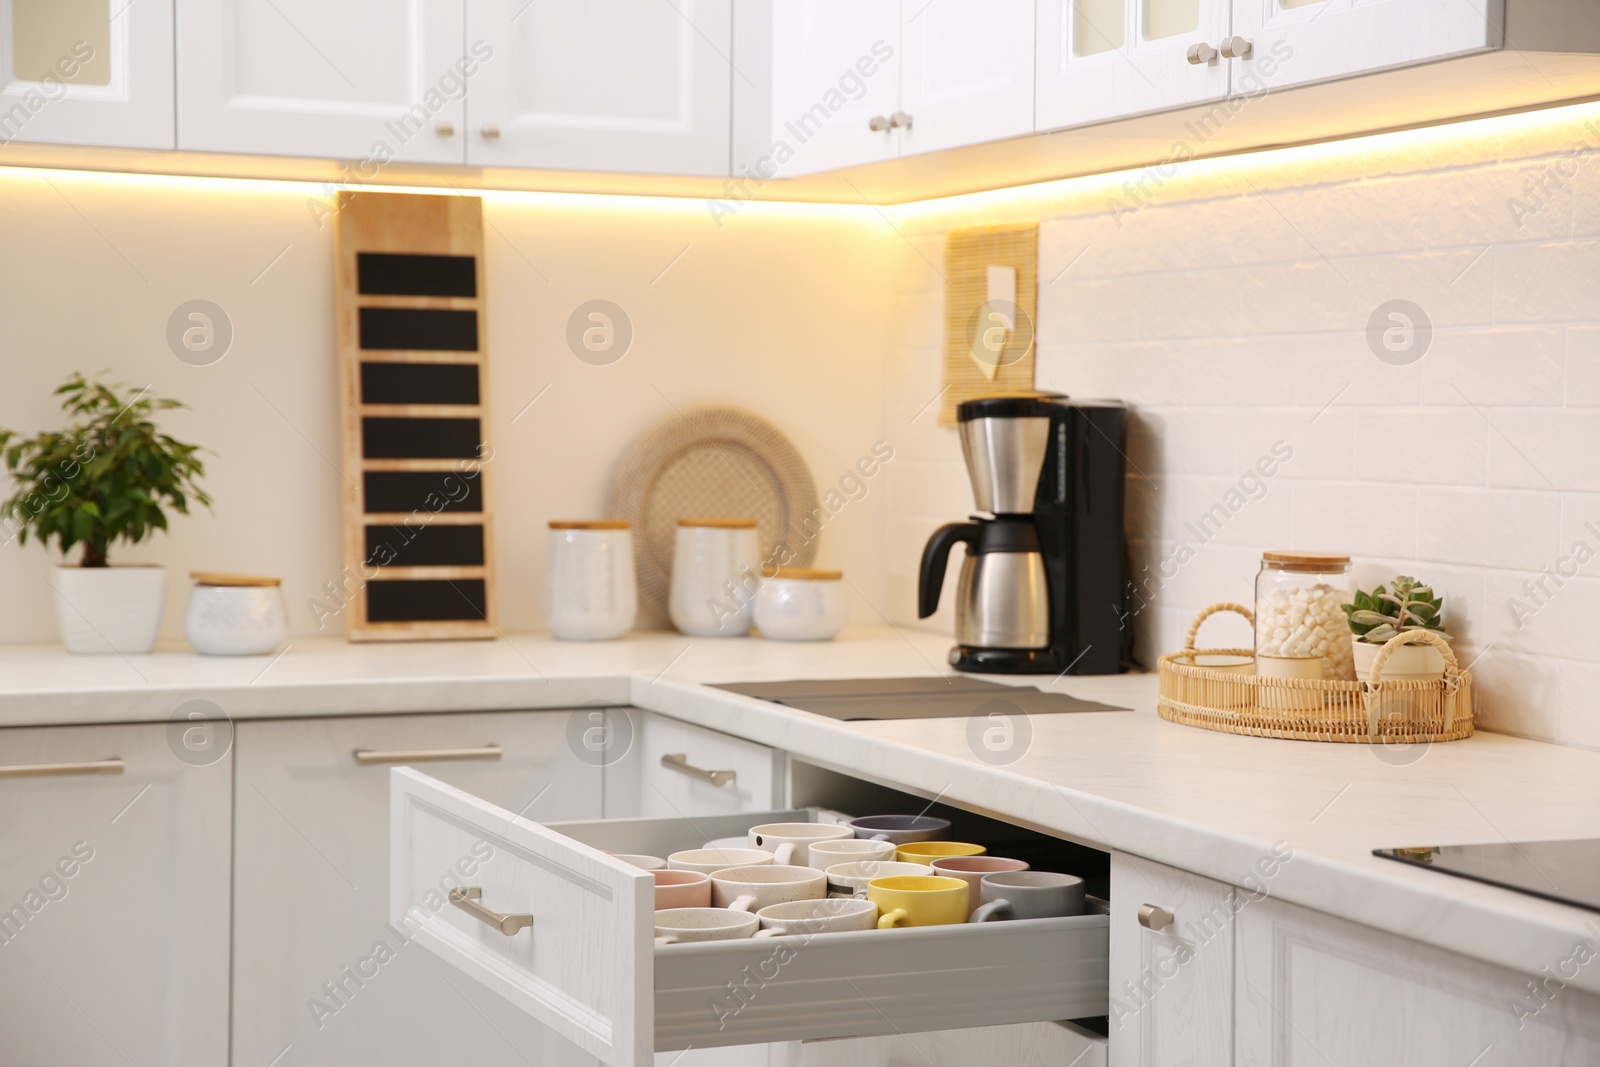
408	284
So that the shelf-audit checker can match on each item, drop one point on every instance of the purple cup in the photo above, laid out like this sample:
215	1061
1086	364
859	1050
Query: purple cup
901	829
971	869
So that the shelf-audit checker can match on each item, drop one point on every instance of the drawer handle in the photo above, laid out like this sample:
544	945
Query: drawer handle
425	755
679	761
467	899
1154	918
114	765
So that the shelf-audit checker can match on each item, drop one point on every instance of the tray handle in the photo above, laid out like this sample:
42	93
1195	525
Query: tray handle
1237	609
1452	672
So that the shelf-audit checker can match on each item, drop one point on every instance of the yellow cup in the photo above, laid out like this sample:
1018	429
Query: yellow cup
918	900
928	851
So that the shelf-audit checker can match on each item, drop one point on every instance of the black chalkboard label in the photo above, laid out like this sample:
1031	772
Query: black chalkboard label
424	491
419	383
386	437
426	600
393	274
420	544
423	329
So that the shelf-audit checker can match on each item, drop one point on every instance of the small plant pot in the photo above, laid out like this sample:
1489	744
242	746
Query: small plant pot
105	610
1406	663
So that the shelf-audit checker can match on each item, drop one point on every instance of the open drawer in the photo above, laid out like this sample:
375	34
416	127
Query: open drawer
587	965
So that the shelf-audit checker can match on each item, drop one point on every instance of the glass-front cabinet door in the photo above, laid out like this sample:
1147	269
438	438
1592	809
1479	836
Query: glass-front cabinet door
86	72
1104	59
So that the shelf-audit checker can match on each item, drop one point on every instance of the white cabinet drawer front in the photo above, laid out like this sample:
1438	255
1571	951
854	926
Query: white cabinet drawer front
588	966
642	784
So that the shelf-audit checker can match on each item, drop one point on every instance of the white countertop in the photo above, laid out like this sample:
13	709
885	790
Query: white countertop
1206	802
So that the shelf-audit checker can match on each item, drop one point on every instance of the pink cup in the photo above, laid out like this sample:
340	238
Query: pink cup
971	869
683	889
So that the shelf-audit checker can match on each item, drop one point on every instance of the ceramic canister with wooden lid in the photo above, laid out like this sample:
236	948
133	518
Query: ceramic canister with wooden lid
590	592
235	614
801	604
715	570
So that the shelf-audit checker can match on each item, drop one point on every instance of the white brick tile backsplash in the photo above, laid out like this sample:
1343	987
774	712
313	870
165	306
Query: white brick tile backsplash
1253	371
1310	295
1355	517
1248	510
1576	685
1342	366
1547	282
1546	449
1189	304
1543	615
1580	526
1454	287
1421	445
921	488
1495	367
1521	694
1319	443
1098	310
1583	366
1182	440
1488	528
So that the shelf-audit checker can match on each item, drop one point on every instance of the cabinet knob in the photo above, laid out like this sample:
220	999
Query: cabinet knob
1201	53
900	120
1236	47
878	123
1154	918
445	128
490	131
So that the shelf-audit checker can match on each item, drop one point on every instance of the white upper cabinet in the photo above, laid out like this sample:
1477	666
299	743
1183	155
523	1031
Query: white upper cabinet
86	72
1298	41
625	85
966	72
366	80
1105	59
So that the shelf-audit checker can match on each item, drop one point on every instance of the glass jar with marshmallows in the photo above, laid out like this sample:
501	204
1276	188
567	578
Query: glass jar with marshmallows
1301	628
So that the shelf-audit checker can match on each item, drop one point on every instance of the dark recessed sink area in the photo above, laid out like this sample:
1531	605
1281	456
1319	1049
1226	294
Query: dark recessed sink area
951	697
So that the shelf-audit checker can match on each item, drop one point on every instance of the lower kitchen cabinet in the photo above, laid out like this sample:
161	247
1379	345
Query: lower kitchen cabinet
320	974
1313	989
1172	949
669	769
114	896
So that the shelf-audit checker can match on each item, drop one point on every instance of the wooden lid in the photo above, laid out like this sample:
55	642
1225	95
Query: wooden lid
803	574
719	522
225	578
590	524
1304	561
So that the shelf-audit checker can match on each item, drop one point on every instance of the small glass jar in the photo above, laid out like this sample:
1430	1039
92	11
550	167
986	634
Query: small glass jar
1300	619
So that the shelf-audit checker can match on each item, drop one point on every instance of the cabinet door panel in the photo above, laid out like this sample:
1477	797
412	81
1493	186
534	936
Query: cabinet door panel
627	85
1294	42
317	966
1106	59
1313	989
365	80
113	902
968	72
1171	989
640	785
86	72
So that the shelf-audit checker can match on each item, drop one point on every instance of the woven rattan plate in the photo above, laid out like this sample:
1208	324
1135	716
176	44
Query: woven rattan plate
712	460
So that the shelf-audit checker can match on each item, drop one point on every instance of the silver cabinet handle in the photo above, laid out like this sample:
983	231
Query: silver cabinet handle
490	131
445	128
679	761
878	123
425	755
468	900
1236	47
114	765
1154	918
900	120
1201	53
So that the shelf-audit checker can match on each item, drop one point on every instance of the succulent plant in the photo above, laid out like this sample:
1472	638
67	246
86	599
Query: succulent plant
1406	605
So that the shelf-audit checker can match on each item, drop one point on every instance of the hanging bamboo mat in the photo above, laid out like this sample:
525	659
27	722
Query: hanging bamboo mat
968	253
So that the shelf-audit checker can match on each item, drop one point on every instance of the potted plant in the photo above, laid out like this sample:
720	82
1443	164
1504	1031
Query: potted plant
1375	617
106	479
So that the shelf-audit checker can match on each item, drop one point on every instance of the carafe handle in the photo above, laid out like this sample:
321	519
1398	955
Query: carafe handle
936	557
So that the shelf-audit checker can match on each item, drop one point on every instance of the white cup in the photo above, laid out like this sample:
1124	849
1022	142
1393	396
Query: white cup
801	604
817	917
825	854
715	568
678	925
590	593
647	863
789	841
850	879
712	860
753	888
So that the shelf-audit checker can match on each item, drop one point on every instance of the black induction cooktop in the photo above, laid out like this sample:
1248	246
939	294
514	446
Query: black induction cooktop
1567	872
947	697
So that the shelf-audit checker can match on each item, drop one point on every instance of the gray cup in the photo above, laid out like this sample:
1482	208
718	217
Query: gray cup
900	829
1028	895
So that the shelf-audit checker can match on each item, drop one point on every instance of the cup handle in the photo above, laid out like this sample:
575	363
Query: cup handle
879	837
743	904
893	919
769	932
783	855
666	939
992	911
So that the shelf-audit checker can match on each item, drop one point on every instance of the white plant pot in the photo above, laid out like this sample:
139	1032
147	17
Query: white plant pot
104	610
1408	662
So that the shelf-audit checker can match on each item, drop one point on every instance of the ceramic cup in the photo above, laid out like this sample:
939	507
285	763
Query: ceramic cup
801	604
928	851
901	829
682	889
825	854
790	842
851	879
711	860
590	592
679	925
1028	895
918	900
756	887
648	863
235	615
726	842
715	568
817	917
971	869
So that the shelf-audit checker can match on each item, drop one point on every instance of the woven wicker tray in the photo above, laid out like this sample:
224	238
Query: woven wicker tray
1378	711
